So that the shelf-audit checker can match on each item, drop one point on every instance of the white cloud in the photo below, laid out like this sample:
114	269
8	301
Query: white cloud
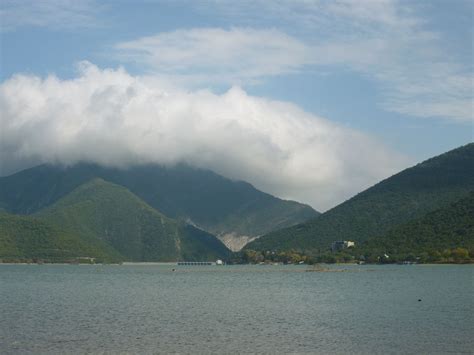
319	15
216	55
57	14
113	118
389	41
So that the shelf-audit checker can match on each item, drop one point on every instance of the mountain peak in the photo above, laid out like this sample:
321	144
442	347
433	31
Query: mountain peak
102	212
214	203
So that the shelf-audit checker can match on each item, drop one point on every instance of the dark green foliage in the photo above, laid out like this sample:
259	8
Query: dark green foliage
199	245
440	235
99	210
30	239
249	256
408	195
210	201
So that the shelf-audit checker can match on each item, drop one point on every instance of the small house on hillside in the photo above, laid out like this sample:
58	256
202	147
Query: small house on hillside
341	244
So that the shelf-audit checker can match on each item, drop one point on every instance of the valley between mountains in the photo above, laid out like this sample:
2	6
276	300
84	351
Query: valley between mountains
87	212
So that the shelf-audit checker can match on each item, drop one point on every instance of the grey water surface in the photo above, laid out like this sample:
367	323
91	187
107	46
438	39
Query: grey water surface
236	309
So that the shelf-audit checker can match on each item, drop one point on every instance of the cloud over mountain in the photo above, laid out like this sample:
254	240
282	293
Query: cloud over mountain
111	117
408	63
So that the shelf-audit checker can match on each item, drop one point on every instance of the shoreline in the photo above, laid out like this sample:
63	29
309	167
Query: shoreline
172	263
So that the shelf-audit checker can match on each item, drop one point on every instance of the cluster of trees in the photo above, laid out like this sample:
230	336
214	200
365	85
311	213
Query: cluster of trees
249	256
52	260
449	255
363	254
454	255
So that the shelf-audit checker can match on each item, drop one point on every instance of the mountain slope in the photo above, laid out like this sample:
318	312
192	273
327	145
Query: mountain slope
405	196
99	210
446	228
29	238
212	202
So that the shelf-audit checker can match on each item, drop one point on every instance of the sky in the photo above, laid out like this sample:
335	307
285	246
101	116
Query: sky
307	100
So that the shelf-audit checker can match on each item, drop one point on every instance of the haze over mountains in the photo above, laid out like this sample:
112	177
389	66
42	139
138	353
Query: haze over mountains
156	213
233	211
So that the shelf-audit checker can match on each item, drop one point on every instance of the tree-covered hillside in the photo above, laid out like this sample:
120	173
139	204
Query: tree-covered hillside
30	239
405	196
212	202
441	234
99	210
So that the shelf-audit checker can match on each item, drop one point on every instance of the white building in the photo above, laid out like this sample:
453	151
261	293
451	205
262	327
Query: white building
342	244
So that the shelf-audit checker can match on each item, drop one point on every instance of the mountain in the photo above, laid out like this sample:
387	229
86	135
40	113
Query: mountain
30	239
101	211
446	232
233	210
405	196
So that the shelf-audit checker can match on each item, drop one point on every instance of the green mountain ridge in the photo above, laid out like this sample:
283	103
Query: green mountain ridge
424	211
101	211
205	199
406	196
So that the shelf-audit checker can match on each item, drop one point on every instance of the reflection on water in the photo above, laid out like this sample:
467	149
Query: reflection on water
228	309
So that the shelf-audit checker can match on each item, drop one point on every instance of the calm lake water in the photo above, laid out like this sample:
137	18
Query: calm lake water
236	309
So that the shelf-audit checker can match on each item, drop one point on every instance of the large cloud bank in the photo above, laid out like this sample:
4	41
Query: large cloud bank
414	74
113	118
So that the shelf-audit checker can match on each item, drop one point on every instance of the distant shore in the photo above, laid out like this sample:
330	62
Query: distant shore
175	263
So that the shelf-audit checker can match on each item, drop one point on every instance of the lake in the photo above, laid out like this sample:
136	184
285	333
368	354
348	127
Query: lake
236	309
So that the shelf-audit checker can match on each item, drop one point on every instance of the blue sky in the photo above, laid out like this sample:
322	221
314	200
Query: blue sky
398	73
